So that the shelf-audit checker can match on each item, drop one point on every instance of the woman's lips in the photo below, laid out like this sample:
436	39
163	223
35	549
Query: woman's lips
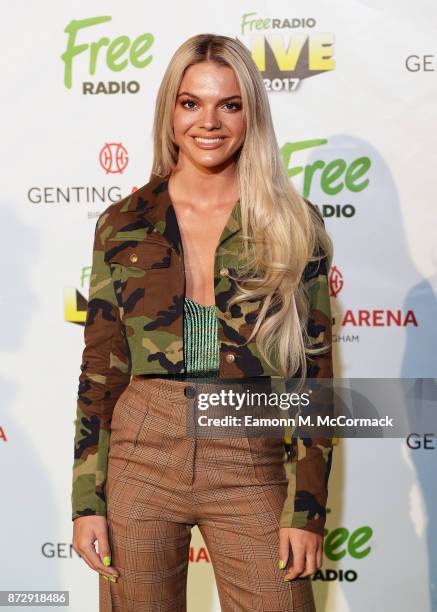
208	143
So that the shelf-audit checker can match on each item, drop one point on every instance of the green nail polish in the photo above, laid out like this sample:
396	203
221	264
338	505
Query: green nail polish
106	561
281	564
287	579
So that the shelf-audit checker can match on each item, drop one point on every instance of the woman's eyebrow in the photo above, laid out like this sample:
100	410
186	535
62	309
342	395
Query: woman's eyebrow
187	93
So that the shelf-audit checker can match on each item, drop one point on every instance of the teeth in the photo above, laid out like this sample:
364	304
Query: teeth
208	140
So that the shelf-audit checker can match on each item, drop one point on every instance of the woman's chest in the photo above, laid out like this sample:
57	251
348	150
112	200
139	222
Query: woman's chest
149	279
200	231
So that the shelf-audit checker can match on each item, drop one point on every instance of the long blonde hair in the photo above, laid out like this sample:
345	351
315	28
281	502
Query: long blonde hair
280	232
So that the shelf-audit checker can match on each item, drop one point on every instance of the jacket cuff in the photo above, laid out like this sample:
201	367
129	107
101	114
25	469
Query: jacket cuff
305	508
315	525
97	508
87	512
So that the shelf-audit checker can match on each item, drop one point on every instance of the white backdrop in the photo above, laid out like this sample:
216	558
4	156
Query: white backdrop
358	93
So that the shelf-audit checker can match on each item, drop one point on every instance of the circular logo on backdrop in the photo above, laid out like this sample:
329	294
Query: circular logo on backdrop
335	281
113	158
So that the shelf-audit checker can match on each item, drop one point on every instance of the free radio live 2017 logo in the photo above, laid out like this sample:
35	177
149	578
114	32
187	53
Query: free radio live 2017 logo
93	52
284	60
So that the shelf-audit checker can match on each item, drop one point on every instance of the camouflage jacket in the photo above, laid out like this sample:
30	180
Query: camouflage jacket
134	325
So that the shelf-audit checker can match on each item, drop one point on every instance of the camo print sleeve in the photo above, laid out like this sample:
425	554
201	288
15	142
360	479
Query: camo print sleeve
310	466
104	376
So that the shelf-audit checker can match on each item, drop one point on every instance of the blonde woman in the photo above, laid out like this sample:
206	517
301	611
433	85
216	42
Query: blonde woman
214	272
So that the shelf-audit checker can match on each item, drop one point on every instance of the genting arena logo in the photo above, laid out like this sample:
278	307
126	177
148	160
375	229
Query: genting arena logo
362	317
335	280
113	158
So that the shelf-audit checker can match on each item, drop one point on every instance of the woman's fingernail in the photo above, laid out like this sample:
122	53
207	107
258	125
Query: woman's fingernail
113	578
281	564
106	561
104	577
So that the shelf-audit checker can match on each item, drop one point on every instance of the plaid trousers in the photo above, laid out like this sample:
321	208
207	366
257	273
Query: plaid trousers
163	478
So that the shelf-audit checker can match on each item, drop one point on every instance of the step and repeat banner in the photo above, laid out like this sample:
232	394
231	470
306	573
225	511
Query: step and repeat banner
353	92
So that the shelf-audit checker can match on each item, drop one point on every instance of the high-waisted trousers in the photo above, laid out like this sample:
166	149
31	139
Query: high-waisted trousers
163	478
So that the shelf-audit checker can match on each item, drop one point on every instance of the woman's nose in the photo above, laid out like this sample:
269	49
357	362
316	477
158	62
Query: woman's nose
210	119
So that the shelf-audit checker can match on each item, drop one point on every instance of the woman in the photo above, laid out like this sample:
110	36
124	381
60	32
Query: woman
216	268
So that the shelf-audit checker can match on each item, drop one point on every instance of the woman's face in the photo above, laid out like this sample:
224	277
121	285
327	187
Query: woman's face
208	122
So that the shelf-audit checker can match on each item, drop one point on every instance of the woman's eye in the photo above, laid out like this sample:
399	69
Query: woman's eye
191	105
235	105
189	102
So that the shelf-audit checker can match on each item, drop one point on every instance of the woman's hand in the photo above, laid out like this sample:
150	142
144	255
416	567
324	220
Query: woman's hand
307	552
86	530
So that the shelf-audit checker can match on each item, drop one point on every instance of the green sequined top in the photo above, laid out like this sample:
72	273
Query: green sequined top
201	345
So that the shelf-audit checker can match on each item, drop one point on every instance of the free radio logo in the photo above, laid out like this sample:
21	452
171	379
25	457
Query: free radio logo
336	177
87	53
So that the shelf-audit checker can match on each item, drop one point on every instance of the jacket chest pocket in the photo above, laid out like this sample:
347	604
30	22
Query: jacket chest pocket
137	267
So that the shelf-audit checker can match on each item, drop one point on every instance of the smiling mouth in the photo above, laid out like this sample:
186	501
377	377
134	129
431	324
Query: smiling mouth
202	140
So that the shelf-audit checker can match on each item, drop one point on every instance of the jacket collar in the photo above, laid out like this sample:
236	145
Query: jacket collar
153	201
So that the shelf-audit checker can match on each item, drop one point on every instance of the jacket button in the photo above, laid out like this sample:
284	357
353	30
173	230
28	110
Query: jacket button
224	271
133	258
227	315
189	391
230	357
